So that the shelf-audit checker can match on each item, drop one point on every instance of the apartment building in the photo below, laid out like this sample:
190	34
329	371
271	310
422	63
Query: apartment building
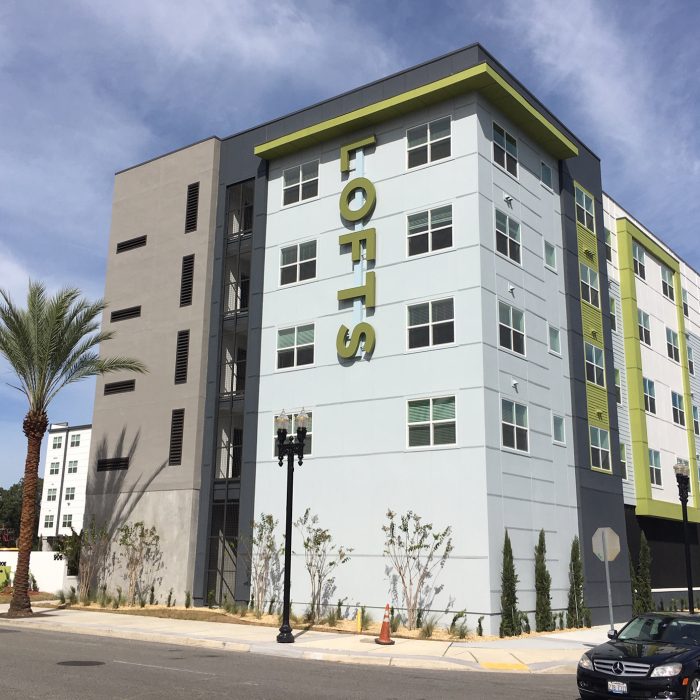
65	480
655	312
420	265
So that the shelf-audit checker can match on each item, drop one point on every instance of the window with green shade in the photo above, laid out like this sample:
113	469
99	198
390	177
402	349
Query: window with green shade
295	346
550	255
298	263
558	429
431	323
554	339
431	422
430	230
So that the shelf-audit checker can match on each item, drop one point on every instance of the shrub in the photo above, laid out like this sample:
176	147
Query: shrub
577	612
511	623
544	620
210	599
72	597
479	627
169	601
188	598
394	621
365	618
152	595
428	628
102	600
61	597
642	598
332	619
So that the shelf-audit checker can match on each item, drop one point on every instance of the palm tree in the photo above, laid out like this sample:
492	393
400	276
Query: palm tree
51	343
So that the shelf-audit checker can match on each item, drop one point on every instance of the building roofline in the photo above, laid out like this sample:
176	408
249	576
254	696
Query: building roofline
69	428
164	155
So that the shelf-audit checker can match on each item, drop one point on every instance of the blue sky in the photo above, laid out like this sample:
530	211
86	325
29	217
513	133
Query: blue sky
90	88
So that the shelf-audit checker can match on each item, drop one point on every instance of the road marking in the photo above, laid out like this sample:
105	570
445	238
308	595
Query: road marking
165	668
497	666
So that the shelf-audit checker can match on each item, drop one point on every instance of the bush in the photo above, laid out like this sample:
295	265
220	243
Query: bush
72	597
577	613
428	628
102	600
210	599
511	622
479	627
61	597
544	620
169	601
394	621
365	617
188	598
152	596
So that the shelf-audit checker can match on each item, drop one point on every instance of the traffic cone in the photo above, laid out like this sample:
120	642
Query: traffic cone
385	635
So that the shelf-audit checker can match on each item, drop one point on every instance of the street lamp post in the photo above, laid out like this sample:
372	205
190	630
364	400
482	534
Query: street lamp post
683	478
289	449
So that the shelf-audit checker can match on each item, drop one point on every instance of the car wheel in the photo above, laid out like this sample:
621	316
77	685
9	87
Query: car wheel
694	688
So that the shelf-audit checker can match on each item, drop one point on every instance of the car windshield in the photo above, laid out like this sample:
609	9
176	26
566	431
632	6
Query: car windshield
656	628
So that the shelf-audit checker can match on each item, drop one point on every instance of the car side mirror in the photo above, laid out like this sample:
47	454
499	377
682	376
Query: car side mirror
612	634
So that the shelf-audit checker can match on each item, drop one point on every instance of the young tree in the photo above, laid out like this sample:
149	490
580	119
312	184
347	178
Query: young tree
577	614
511	624
416	552
644	600
544	620
321	557
264	555
51	343
140	545
94	548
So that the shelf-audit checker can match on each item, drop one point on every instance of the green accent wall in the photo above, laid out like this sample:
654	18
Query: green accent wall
481	78
627	232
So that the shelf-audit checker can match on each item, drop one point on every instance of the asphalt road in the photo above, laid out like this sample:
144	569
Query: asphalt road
36	664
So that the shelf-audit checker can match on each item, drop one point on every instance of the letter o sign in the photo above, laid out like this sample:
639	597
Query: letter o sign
358	183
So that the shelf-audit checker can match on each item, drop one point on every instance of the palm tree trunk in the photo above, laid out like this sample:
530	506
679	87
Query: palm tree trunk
34	426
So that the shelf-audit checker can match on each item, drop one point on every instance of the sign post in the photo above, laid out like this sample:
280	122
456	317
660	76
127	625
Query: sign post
606	546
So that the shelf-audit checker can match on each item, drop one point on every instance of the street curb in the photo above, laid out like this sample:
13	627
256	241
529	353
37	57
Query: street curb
159	638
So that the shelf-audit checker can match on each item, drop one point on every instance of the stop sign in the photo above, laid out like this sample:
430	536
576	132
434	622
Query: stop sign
611	546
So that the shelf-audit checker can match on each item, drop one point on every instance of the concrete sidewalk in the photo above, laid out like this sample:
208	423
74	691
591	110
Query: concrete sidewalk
554	653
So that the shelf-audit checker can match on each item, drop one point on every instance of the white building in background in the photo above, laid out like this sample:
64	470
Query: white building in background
65	479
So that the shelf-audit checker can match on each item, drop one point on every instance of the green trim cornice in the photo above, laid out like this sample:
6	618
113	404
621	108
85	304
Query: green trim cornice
481	78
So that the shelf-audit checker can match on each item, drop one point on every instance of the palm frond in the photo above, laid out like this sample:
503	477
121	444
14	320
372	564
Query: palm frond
53	342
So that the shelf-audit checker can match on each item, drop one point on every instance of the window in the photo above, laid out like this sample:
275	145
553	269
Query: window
186	280
550	256
430	230
678	409
73	466
48	521
600	448
57	442
67	520
125	314
618	388
684	295
507	236
511	328
192	207
182	353
644	327
691	363
558	429
130	244
505	150
554	339
53	469
429	142
638	258
431	323
70	493
623	460
667	282
649	395
308	440
589	285
51	495
584	209
613	313
75	440
300	182
608	245
177	429
240	200
595	369
696	421
655	467
432	422
514	431
672	345
545	175
298	263
295	346
119	387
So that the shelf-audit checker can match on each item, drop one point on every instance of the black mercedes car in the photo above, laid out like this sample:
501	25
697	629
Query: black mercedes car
656	655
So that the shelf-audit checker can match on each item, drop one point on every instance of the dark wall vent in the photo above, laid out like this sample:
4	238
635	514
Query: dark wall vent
124	314
132	243
182	352
187	280
177	427
192	207
112	464
120	387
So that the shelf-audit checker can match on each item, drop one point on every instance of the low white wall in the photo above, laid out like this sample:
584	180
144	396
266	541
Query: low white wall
48	568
